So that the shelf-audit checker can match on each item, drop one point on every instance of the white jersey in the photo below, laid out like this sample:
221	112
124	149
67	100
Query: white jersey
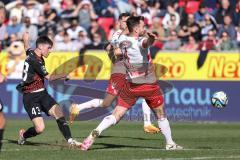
137	60
118	66
115	37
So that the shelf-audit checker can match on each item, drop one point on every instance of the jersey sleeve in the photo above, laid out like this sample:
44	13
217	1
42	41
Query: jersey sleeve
115	39
28	51
40	68
140	42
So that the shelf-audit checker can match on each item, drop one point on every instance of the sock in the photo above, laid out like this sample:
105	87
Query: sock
146	113
163	124
106	123
1	137
31	132
90	104
64	128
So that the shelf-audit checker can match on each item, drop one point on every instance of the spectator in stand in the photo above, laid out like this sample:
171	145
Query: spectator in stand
237	13
96	28
74	30
42	26
190	28
85	12
225	43
210	5
123	6
173	42
3	28
60	34
96	43
171	12
105	8
144	11
228	27
13	27
208	24
156	9
50	14
56	5
68	12
190	46
200	14
225	9
172	25
66	44
17	9
30	28
32	11
65	24
82	40
210	43
238	36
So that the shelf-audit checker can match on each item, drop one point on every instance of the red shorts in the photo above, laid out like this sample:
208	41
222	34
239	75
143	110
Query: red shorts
116	82
131	92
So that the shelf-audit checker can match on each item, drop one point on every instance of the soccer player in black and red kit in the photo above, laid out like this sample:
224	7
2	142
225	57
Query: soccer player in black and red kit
35	97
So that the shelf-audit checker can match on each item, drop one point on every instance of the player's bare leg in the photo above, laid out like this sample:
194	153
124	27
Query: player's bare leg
148	126
107	122
75	109
38	128
165	128
57	113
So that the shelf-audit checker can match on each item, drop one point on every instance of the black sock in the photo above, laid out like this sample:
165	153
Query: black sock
64	128
1	137
31	132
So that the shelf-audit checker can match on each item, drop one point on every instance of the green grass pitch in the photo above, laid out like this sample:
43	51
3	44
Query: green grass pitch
125	141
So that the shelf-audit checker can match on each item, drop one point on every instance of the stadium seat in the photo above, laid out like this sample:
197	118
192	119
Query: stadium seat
106	23
192	7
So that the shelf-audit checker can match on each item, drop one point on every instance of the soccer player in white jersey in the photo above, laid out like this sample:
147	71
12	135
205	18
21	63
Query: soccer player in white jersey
142	82
116	82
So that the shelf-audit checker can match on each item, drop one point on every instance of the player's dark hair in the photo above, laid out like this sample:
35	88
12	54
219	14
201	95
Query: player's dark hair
123	15
44	40
133	21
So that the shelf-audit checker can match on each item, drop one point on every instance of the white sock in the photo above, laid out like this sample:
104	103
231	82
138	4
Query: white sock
90	104
70	140
163	124
146	113
106	123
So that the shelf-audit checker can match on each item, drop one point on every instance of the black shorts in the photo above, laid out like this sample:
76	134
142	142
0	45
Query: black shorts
36	103
1	106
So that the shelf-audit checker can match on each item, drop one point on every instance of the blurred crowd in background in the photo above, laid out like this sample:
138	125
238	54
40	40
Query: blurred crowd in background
74	25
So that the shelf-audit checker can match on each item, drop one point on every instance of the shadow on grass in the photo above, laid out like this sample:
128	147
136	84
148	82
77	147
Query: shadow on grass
28	143
119	146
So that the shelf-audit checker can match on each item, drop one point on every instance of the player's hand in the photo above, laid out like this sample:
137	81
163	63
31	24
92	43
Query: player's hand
151	35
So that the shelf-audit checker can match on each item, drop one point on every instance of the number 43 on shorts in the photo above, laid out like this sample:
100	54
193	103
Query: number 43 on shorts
36	111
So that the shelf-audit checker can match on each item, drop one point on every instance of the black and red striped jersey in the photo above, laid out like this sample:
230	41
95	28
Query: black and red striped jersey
34	72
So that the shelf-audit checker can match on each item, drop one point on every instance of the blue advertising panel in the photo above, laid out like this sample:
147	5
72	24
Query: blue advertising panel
188	100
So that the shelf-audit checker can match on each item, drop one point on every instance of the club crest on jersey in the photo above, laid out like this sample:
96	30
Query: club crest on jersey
125	44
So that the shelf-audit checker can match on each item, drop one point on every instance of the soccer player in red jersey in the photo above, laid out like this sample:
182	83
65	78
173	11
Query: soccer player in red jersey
142	82
116	82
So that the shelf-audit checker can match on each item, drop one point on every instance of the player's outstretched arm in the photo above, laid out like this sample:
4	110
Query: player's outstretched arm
26	40
52	77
